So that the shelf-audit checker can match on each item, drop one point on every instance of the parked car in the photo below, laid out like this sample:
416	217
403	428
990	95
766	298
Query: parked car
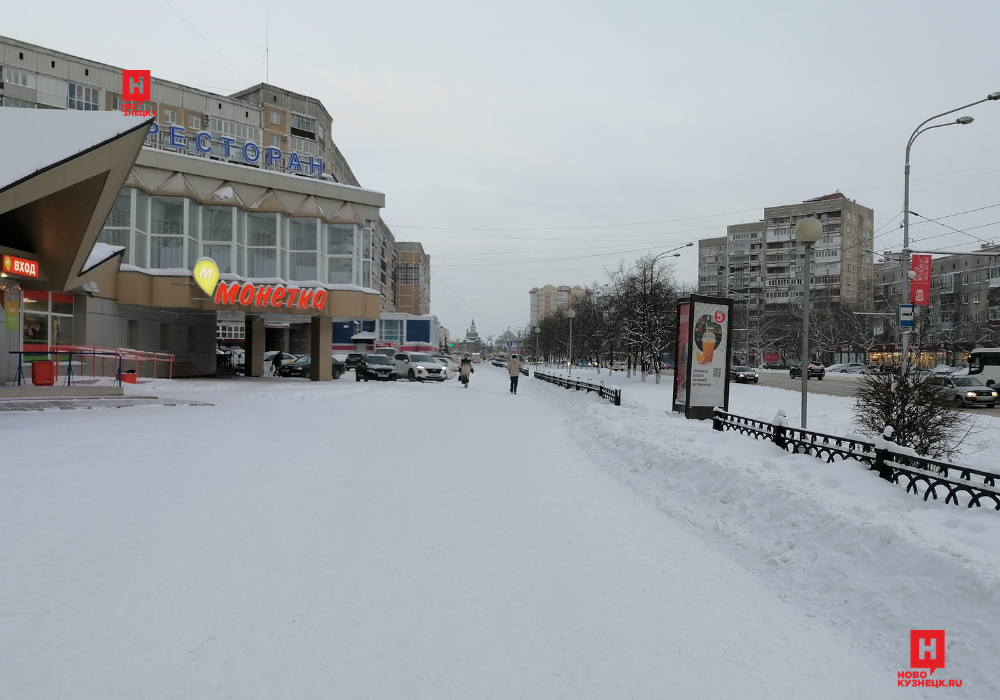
815	369
967	391
775	365
847	368
374	366
742	375
499	362
450	363
301	365
419	366
351	362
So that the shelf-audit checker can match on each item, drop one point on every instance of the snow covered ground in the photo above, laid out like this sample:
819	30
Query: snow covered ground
343	539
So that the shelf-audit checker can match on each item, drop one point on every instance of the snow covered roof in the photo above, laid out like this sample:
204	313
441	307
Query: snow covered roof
99	253
33	140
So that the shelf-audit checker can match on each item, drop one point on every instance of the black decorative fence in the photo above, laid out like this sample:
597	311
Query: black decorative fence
605	392
523	370
959	485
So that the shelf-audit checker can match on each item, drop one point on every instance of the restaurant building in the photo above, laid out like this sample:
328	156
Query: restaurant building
252	180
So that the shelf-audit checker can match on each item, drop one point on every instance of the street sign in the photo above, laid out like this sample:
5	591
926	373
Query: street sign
510	343
906	315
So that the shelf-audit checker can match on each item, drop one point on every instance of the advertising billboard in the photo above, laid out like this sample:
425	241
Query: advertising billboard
920	286
681	352
701	379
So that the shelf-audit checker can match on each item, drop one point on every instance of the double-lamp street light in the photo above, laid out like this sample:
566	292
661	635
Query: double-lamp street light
907	274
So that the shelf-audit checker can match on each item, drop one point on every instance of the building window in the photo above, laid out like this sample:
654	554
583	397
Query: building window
965	298
276	118
975	298
276	141
193	227
141	259
302	249
118	227
303	126
194	121
166	248
82	97
169	116
217	236
262	246
16	76
47	320
390	330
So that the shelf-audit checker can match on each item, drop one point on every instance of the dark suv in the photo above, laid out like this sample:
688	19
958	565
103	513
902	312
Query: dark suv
375	367
816	371
353	358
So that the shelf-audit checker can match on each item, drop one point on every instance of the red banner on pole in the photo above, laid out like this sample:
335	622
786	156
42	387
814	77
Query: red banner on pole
920	286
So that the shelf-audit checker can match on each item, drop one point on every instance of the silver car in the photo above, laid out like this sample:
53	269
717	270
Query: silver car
967	391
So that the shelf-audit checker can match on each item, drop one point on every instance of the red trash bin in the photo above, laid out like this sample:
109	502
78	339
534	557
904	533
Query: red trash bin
43	372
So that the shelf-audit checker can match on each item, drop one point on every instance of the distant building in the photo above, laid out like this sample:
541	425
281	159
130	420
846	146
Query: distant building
545	301
413	279
471	336
761	265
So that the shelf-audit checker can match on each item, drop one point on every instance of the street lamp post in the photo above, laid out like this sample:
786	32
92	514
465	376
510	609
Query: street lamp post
652	270
807	232
905	333
571	314
538	330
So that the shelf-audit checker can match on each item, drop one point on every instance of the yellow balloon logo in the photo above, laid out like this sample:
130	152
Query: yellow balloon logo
206	274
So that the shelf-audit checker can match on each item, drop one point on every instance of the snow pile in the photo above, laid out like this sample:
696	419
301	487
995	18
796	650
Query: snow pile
834	539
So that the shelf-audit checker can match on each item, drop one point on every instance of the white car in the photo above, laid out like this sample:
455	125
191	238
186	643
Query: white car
450	363
419	366
847	368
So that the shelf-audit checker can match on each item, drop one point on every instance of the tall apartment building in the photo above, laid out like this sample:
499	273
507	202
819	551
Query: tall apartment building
713	266
413	279
763	264
545	301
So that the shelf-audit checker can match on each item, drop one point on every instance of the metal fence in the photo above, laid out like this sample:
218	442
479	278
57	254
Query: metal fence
959	485
611	394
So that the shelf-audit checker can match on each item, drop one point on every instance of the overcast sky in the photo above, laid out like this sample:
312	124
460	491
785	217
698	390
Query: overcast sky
526	143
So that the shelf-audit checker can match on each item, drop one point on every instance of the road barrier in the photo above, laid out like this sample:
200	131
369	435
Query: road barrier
920	473
614	395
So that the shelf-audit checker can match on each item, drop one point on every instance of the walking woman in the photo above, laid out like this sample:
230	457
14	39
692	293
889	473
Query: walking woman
465	369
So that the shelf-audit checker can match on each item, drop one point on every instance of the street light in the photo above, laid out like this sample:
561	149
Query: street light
962	121
807	232
652	270
571	314
538	330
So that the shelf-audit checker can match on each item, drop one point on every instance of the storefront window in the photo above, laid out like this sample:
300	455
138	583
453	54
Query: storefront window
391	330
217	236
47	320
167	227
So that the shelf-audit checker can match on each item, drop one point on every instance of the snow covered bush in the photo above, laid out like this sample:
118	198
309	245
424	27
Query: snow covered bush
923	418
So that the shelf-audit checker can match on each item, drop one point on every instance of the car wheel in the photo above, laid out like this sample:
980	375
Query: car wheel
755	381
820	377
959	402
412	376
337	373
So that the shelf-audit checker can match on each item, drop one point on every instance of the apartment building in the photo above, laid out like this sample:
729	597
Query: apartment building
965	295
547	300
713	266
413	279
764	264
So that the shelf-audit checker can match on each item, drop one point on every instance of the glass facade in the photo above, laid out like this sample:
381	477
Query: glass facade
167	233
47	320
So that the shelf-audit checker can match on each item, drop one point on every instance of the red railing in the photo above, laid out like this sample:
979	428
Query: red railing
136	357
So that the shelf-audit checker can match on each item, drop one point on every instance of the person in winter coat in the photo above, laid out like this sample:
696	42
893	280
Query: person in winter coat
465	369
514	369
276	362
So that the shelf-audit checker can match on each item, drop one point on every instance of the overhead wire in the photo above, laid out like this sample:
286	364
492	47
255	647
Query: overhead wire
219	53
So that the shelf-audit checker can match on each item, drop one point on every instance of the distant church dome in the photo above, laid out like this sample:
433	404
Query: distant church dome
471	336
